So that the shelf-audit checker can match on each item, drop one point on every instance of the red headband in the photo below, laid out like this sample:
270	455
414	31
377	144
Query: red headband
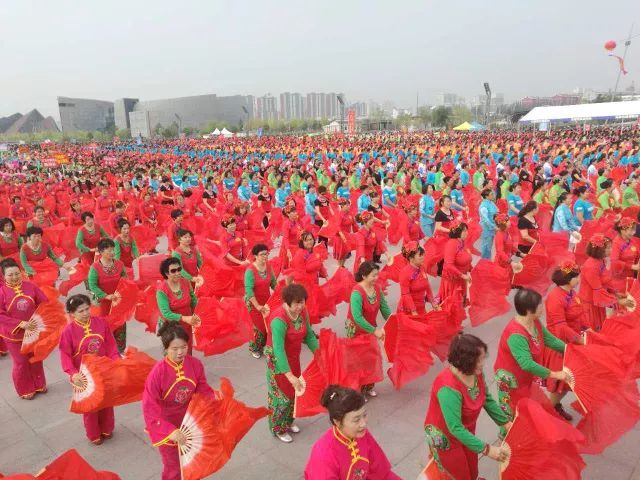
598	240
569	267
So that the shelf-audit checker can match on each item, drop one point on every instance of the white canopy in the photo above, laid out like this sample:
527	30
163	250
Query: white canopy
226	132
215	132
584	112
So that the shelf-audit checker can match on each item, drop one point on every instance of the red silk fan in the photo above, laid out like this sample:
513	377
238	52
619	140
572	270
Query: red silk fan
149	267
408	343
147	311
606	394
226	324
307	403
275	300
45	328
46	272
338	288
540	446
19	476
535	270
125	308
487	292
109	383
79	275
71	466
145	238
213	428
391	271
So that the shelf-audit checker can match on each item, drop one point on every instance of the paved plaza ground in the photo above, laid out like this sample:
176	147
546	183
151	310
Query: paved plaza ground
32	433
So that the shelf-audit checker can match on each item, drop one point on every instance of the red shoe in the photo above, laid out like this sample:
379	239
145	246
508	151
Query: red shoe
42	390
98	441
28	397
107	436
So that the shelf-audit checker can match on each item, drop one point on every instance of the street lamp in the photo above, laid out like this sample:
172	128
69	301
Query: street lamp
179	123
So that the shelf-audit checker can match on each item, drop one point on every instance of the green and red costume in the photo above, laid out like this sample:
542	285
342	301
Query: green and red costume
103	280
258	284
450	424
284	344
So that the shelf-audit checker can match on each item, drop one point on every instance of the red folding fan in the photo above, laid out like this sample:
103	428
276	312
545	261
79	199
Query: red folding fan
432	472
487	292
540	446
46	272
71	466
408	343
145	238
535	270
607	395
45	328
123	311
109	383
307	403
149	267
226	324
212	429
78	275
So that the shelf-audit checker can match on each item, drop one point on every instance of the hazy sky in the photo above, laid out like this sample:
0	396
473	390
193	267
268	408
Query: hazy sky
368	49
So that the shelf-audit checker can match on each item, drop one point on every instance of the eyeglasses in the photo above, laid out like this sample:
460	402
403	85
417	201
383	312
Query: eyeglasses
175	270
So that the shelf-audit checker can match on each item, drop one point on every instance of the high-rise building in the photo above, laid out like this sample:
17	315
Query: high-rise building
291	106
360	108
267	107
122	107
82	114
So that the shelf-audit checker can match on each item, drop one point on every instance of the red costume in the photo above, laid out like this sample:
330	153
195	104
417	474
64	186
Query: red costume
457	262
564	320
595	292
624	254
414	290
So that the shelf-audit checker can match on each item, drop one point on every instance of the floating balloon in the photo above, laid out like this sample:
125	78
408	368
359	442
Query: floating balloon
610	45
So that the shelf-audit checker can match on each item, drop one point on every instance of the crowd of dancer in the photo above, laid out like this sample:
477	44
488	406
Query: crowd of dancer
252	222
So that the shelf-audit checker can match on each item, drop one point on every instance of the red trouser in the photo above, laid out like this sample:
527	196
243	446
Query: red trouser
460	462
170	462
98	423
28	377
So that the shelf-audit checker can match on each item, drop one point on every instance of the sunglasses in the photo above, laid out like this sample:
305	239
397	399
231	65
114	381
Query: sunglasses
175	270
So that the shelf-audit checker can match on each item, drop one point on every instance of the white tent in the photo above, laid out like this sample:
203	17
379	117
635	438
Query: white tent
584	112
215	132
226	133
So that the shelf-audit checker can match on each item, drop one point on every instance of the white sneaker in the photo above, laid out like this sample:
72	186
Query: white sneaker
294	428
372	393
285	437
256	354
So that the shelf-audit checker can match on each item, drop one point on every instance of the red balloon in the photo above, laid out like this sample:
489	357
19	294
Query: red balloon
610	45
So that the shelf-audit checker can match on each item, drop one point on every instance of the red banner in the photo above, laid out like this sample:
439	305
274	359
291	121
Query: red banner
351	119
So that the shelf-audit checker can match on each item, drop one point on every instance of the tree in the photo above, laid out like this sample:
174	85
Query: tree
188	131
460	114
403	120
424	116
123	133
171	131
441	116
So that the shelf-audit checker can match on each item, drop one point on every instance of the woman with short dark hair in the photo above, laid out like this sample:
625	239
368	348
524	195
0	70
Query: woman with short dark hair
10	241
36	253
520	352
332	455
189	255
167	392
367	299
86	334
87	238
458	394
288	328
259	279
176	299
103	279
18	301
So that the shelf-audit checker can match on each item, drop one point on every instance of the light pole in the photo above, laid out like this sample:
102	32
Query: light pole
179	123
624	56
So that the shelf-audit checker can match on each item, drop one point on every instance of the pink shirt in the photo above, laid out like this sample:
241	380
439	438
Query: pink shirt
335	457
94	338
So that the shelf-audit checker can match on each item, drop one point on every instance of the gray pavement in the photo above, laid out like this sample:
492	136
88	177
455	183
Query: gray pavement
33	433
